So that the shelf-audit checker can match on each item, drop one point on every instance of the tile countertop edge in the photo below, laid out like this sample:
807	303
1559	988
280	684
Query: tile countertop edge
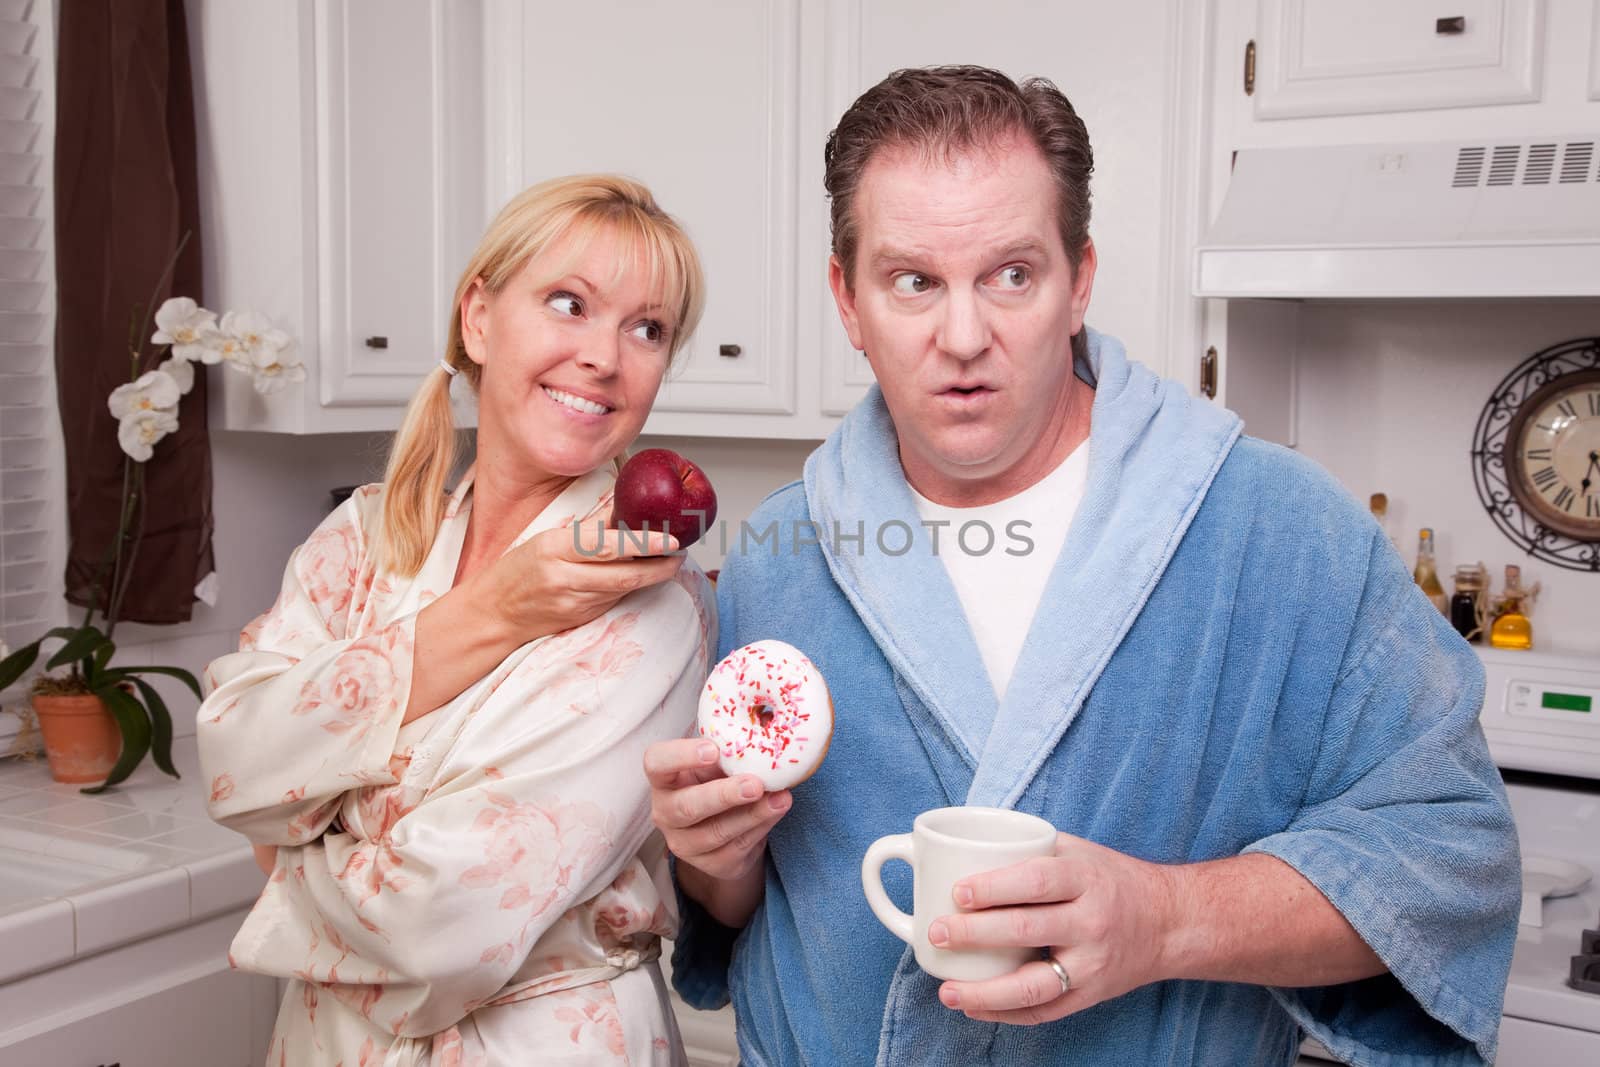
50	931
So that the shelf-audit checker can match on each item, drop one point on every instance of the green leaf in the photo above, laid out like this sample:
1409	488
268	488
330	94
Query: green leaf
80	646
102	656
171	672
160	727
134	722
16	665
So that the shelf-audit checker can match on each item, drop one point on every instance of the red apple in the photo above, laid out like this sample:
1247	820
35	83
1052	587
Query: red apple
660	490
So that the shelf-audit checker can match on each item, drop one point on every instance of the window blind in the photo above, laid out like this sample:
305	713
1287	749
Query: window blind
31	490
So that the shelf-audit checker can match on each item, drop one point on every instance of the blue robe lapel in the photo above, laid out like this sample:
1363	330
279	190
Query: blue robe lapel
905	600
1153	452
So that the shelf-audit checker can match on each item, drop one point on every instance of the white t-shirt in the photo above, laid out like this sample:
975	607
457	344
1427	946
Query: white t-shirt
999	556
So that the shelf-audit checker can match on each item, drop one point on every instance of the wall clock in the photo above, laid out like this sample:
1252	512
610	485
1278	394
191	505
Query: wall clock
1536	455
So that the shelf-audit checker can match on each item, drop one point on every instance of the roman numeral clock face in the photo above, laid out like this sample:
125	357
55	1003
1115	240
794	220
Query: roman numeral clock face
1552	455
1536	455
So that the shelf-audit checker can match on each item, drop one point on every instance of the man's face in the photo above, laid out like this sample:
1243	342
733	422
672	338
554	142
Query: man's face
965	304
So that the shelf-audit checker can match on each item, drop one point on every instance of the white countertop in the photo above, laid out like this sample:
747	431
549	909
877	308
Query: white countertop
81	874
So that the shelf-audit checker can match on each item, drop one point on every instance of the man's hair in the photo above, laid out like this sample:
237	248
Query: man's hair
947	111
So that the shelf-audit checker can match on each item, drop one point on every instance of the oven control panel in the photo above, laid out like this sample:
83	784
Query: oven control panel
1541	711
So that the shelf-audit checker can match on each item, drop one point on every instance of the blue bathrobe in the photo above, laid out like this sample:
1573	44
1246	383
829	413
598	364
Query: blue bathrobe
1229	657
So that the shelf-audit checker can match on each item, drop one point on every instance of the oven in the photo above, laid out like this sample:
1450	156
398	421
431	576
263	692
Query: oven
1541	715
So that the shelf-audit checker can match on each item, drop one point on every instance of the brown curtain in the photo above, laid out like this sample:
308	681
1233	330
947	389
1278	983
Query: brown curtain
126	192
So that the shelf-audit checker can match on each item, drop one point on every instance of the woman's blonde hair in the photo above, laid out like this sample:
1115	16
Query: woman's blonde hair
424	451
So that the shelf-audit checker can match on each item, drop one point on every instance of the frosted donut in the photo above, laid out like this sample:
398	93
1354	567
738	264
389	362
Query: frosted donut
768	711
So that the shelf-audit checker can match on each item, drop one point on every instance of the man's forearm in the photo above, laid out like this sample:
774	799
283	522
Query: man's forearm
1255	919
730	901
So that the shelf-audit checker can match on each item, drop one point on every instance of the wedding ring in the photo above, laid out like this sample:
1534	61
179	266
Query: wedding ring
1061	973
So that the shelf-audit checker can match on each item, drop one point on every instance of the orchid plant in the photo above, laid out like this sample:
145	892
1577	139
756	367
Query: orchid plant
146	410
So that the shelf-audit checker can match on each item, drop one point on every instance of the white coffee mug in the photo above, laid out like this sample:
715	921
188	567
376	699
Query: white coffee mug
944	846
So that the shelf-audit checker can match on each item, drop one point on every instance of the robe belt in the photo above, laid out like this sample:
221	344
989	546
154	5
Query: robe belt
413	1051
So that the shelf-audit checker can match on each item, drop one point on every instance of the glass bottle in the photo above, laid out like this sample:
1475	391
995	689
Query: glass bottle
1511	627
1467	606
1426	575
1379	503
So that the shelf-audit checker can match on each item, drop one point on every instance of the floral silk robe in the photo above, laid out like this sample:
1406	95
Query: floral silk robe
481	886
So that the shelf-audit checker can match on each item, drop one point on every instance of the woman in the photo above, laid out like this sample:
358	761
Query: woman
440	724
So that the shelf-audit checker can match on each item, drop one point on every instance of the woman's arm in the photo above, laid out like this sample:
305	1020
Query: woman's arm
545	586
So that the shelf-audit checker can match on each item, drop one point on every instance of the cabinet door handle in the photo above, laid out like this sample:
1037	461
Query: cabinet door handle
371	342
731	351
1208	374
1455	24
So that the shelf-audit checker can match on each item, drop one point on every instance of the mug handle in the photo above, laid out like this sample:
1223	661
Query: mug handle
894	847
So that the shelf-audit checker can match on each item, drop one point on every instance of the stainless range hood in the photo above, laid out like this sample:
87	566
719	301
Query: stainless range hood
1488	218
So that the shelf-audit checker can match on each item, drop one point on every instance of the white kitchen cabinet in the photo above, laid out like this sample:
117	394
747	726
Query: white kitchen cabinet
699	101
1107	59
1377	72
168	1001
342	189
1594	55
1343	57
352	151
723	111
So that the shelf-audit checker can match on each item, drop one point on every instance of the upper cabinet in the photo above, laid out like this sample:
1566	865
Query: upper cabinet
1300	72
724	109
1594	54
342	189
352	152
1344	57
400	193
700	101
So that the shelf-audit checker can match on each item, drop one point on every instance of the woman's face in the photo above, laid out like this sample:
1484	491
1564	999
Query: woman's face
571	364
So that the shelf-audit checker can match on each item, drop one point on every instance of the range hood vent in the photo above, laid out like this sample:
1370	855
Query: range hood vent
1496	218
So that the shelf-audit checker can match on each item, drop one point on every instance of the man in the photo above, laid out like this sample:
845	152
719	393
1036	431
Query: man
1210	672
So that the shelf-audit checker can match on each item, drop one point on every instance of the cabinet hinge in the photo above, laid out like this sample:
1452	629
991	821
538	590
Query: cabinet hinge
1208	373
1249	68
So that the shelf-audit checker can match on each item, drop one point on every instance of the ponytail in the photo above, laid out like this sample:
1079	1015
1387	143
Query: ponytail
420	461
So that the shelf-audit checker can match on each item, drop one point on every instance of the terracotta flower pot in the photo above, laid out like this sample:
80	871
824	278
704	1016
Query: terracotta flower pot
81	739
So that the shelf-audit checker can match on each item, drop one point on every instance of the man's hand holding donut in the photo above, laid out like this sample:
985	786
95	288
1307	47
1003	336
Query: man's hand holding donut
715	825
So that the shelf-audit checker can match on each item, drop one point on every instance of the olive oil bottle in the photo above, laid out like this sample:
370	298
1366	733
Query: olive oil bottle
1511	628
1427	575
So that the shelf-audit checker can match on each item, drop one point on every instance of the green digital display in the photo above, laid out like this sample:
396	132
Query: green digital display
1566	702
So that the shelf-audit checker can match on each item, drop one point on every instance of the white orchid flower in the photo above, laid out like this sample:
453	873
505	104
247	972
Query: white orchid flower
141	429
257	337
181	371
185	326
154	390
274	376
206	591
231	350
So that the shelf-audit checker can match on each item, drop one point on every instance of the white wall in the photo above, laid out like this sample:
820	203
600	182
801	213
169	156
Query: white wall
1389	396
